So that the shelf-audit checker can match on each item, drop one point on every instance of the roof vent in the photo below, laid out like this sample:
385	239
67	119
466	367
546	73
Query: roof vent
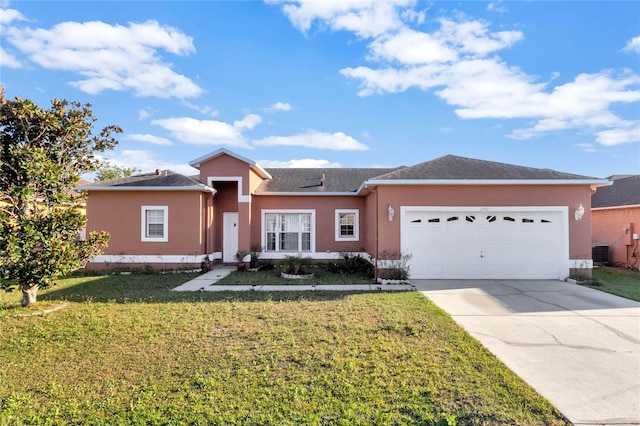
158	172
322	180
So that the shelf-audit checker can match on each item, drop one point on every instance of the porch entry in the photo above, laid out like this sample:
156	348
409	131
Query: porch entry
229	236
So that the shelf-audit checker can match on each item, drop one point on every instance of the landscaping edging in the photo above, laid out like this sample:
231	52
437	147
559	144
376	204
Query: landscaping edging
296	277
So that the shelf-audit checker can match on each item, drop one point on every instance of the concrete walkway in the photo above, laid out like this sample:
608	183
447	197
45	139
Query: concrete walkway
578	347
208	280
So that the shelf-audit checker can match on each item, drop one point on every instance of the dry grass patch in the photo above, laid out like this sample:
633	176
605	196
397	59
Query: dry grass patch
254	358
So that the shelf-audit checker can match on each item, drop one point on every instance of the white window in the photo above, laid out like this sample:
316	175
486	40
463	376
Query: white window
289	231
347	225
155	221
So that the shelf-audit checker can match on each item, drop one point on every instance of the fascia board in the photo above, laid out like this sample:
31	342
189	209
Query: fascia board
307	194
201	188
625	206
427	182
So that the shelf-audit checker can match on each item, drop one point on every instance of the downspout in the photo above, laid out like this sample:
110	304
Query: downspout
375	264
206	226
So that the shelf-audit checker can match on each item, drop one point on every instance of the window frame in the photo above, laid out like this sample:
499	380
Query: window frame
356	225
312	231
144	224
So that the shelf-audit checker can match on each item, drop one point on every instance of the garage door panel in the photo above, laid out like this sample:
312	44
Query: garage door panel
468	244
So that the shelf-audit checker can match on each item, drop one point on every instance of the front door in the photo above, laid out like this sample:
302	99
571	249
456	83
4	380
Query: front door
229	236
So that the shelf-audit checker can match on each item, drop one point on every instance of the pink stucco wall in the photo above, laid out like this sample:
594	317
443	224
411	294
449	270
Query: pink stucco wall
608	228
491	196
325	207
119	213
227	199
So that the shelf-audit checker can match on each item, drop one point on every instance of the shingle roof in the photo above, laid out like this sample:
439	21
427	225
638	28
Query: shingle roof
623	192
462	168
309	180
161	178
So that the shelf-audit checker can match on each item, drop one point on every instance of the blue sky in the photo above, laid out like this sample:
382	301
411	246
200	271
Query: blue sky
340	84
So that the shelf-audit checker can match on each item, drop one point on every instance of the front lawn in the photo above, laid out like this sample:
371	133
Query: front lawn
619	281
272	277
126	350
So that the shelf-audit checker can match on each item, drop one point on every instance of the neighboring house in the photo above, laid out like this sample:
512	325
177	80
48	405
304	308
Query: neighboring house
458	217
615	213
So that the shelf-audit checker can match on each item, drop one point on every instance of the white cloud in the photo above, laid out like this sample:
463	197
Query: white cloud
459	62
497	6
633	45
411	47
147	162
110	57
302	163
587	147
206	110
312	139
620	135
143	113
248	122
155	140
10	15
365	18
209	132
8	60
279	106
474	37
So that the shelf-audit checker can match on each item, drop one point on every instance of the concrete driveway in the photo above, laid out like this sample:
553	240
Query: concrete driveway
578	347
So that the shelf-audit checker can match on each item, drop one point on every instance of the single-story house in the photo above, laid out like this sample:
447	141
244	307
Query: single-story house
615	218
457	217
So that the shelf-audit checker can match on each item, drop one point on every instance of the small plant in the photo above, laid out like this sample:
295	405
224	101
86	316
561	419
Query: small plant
394	265
295	265
255	252
206	265
240	255
351	264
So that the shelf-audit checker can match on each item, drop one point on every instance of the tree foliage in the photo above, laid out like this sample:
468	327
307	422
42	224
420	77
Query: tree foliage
43	154
108	171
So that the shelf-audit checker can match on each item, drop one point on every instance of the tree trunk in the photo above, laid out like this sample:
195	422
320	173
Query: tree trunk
29	295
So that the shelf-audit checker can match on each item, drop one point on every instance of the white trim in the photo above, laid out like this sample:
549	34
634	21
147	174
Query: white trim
564	265
320	255
487	182
263	233
356	225
427	182
143	224
307	194
627	206
242	198
201	188
158	258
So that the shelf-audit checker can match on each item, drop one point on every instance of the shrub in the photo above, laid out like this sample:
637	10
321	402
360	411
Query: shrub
394	265
295	265
352	264
255	257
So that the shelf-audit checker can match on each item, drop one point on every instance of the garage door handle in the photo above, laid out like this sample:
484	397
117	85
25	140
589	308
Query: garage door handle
481	255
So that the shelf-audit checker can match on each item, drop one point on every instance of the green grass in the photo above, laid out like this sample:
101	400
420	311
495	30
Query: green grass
127	350
272	277
619	281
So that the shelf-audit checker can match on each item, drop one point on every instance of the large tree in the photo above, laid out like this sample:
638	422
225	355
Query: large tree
43	154
109	171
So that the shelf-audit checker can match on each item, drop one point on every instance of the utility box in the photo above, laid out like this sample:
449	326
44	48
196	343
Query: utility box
600	253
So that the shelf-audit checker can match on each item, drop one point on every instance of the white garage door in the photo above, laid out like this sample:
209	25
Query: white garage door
483	244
